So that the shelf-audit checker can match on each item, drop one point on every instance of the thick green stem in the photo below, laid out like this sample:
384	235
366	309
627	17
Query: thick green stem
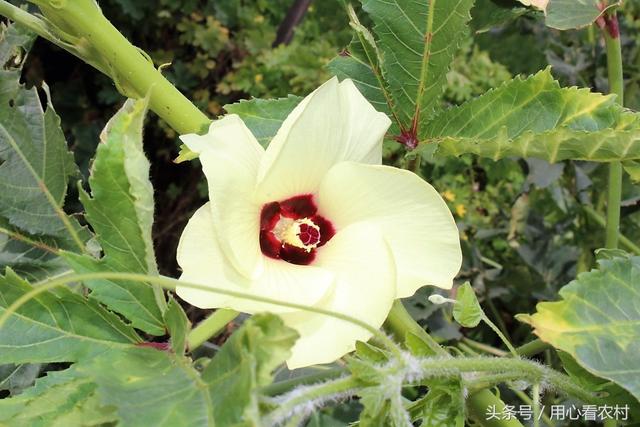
616	86
210	327
80	27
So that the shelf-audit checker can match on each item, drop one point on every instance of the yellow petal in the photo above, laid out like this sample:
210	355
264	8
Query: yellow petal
230	157
203	262
413	217
332	124
364	289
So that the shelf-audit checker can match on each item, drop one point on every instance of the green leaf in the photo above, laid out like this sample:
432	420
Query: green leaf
245	363
178	325
35	164
467	310
632	167
60	399
15	42
443	406
598	321
150	388
612	394
535	117
15	378
56	327
352	65
487	14
34	169
418	40
121	213
361	62
571	14
263	116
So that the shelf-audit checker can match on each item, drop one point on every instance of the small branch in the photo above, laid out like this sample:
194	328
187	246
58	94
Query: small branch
532	348
484	347
294	17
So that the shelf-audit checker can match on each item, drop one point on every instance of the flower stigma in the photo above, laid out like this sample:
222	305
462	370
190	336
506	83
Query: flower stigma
301	233
292	230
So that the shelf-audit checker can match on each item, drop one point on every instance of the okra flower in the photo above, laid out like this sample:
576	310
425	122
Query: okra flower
315	219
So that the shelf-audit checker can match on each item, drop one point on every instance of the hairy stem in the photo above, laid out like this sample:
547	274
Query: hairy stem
400	322
616	86
169	283
306	398
282	387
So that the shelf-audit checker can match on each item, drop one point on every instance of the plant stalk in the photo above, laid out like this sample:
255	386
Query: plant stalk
79	27
616	86
210	327
625	242
399	322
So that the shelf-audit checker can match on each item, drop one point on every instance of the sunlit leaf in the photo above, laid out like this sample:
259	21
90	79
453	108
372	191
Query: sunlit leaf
418	40
535	117
598	321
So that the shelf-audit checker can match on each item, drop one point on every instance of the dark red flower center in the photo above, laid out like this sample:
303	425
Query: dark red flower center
292	230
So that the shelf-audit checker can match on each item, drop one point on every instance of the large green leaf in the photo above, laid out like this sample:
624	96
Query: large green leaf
263	116
121	214
535	117
138	385
60	327
244	364
418	40
34	170
598	321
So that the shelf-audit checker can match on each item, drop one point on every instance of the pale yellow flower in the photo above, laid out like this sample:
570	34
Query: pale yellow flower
315	219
